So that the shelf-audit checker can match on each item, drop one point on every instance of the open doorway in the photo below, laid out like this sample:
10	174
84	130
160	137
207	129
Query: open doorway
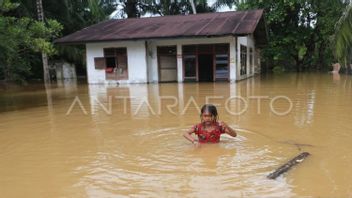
206	62
205	68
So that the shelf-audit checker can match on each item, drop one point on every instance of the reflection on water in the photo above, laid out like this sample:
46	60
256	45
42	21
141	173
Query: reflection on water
114	141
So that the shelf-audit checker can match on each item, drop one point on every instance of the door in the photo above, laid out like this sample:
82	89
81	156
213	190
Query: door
167	62
205	67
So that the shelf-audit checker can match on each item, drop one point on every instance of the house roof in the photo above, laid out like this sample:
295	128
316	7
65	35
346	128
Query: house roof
175	26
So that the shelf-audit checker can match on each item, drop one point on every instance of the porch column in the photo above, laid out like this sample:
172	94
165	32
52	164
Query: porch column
179	63
233	60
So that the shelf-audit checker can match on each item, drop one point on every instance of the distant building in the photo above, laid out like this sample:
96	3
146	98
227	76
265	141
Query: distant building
203	47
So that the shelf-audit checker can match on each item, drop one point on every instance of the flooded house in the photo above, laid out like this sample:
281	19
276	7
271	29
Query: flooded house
202	48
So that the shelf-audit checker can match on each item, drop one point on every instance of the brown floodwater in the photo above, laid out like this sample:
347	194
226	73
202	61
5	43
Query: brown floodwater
78	140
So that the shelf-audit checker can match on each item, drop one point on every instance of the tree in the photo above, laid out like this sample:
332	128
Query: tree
138	8
343	37
299	31
73	15
193	6
20	38
166	7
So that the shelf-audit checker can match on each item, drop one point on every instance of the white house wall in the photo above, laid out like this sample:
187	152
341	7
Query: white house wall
247	41
136	60
94	76
143	62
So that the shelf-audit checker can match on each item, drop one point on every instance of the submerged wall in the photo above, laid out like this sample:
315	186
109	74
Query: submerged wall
152	54
136	60
143	62
247	41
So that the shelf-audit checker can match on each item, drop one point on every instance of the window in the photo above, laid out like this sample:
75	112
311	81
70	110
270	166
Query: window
99	63
221	61
243	60
222	48
190	61
189	49
190	66
167	50
114	62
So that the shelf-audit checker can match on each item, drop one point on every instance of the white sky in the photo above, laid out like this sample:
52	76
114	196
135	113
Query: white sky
223	9
116	14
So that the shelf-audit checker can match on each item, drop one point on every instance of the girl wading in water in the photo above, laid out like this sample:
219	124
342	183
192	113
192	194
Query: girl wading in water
210	129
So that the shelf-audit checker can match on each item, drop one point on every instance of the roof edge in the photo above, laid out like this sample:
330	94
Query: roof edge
149	38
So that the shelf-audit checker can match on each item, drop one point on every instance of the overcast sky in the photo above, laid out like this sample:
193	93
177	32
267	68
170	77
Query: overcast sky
223	9
117	14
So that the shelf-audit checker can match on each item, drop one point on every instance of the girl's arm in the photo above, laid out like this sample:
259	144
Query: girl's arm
188	135
228	129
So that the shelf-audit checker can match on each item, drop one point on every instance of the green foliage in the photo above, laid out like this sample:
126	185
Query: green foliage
19	39
343	37
161	7
278	70
203	7
34	37
73	15
7	5
299	31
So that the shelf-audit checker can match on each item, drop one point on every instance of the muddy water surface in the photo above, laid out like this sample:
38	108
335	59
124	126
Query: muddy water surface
75	140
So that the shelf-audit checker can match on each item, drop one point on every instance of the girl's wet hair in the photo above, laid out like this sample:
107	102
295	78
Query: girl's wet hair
210	109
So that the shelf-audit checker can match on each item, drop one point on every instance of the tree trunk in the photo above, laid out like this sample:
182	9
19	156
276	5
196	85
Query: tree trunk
46	68
193	6
298	63
287	166
6	71
40	14
131	9
321	55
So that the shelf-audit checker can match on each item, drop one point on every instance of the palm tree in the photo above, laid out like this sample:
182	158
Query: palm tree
193	6
40	14
343	36
229	3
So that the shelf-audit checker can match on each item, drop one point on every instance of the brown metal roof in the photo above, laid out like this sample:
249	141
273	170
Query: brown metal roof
198	25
